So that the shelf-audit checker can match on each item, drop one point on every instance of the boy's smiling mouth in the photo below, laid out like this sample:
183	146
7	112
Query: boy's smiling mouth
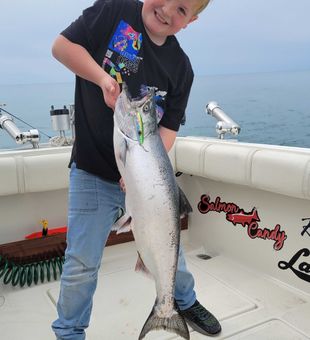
160	18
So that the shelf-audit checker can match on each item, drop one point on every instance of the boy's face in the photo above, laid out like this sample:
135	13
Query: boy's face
162	18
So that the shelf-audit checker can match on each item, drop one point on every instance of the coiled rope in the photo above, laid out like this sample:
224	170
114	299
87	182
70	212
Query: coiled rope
32	272
32	261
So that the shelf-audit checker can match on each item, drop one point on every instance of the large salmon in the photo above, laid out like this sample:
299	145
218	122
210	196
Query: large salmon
154	203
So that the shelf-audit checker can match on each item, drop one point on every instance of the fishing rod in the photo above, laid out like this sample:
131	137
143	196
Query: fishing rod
21	120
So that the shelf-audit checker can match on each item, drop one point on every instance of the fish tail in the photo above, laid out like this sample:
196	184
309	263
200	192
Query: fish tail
175	324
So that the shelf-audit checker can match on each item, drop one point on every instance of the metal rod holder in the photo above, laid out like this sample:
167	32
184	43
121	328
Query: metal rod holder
32	136
225	124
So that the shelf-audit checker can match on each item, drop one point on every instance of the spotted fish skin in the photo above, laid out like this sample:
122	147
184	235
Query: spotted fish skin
152	203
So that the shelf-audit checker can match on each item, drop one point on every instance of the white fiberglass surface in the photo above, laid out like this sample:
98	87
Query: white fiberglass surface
249	305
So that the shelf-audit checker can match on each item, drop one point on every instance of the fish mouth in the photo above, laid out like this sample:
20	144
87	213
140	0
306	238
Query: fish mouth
146	94
133	114
139	102
136	103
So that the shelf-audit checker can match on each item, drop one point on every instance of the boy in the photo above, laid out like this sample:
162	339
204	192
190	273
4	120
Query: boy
111	42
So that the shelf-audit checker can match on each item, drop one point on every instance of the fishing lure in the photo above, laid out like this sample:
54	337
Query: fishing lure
139	127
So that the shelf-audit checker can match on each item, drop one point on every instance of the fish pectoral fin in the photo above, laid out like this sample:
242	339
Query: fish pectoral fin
185	206
141	268
123	147
122	225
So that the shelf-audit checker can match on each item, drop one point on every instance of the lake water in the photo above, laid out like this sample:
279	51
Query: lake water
271	108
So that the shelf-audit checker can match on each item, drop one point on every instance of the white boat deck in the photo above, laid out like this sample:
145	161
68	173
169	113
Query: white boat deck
249	305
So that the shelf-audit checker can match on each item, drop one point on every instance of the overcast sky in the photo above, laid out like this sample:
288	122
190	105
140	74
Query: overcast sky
230	36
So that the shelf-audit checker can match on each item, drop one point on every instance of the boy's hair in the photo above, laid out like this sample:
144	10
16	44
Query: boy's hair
202	5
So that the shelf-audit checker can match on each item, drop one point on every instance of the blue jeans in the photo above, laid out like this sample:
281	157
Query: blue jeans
93	207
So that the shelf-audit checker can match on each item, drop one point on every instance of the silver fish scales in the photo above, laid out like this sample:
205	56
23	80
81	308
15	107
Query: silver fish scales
154	203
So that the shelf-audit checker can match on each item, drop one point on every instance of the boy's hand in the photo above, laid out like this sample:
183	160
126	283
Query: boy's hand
122	184
111	90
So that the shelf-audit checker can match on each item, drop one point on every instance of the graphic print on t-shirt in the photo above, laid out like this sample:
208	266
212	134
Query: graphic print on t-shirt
122	57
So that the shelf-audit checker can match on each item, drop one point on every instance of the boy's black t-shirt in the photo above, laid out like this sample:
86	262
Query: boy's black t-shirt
112	32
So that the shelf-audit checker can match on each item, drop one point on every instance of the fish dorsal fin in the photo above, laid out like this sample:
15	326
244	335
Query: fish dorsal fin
185	206
141	268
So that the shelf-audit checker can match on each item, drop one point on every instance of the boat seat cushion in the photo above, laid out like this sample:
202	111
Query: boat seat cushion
46	172
280	170
8	178
34	173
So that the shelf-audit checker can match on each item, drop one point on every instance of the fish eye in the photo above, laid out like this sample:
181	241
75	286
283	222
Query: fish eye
146	108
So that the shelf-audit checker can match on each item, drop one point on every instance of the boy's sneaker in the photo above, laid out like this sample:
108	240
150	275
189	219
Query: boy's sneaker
201	320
